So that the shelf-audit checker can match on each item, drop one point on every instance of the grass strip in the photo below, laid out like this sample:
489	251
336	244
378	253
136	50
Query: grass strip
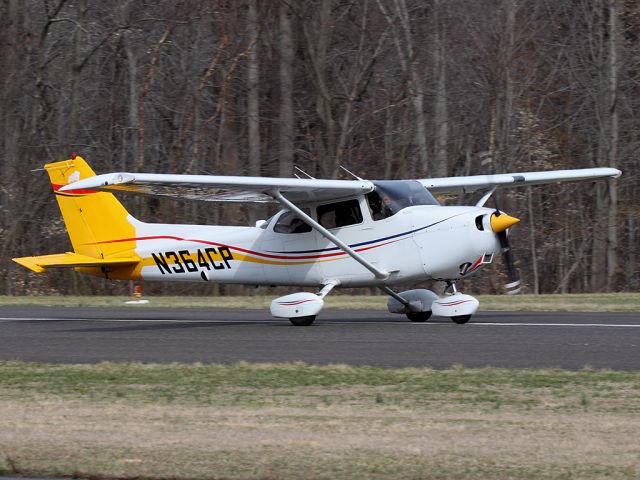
246	421
601	302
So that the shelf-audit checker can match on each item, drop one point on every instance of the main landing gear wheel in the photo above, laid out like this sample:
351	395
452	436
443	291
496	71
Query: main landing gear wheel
460	319
419	316
303	321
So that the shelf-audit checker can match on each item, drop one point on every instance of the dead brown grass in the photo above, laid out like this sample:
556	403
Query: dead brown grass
281	421
348	441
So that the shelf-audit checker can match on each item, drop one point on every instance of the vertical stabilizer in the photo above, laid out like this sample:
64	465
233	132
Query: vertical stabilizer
97	223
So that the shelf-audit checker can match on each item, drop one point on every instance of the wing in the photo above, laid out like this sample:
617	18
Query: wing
482	182
223	188
261	189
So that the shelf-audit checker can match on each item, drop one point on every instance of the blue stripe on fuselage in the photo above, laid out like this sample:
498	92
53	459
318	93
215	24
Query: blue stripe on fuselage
356	245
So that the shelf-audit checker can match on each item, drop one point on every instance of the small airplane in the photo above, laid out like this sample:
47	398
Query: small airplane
329	233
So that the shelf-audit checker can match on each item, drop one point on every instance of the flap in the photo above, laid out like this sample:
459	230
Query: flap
223	188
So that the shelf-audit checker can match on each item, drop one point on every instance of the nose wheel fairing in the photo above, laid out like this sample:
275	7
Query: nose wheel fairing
456	305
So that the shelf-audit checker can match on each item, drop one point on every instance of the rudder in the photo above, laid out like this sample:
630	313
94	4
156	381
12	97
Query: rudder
98	224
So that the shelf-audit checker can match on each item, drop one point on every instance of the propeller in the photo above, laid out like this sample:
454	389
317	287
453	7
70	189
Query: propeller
500	222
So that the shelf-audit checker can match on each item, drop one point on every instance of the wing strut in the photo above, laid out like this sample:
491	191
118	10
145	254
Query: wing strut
380	274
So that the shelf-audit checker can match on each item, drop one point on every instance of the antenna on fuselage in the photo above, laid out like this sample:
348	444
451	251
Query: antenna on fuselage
303	172
351	173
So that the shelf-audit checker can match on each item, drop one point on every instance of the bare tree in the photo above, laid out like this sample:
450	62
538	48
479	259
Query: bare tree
253	94
612	143
441	119
394	89
285	161
403	40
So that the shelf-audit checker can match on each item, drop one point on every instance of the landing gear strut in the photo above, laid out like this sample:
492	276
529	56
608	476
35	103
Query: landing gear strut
415	304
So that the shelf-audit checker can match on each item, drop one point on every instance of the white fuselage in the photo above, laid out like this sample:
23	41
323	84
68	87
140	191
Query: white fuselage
416	243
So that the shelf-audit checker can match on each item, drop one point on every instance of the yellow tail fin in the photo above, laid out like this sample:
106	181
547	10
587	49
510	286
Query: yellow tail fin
97	223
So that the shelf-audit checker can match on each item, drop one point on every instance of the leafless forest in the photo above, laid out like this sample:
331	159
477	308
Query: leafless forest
387	88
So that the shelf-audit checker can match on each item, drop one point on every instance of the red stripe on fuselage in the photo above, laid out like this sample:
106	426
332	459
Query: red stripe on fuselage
259	254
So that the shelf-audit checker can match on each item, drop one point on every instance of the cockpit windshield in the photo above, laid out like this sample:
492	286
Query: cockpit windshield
391	196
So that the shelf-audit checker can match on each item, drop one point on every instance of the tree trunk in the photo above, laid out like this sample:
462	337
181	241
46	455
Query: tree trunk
358	76
253	100
76	70
631	277
133	103
440	164
505	125
229	155
612	157
146	87
403	41
317	36
532	243
285	161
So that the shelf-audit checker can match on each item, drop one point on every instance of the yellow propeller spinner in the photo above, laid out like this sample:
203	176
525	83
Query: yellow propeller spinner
499	223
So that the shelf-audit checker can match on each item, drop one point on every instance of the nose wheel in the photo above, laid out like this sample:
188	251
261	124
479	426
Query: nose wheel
455	305
461	319
302	321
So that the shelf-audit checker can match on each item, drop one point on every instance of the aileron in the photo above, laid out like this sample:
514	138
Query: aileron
479	182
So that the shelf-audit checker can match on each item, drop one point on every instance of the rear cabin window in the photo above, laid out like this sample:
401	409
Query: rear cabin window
289	222
339	214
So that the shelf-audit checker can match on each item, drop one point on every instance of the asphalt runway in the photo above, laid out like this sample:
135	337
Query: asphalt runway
147	334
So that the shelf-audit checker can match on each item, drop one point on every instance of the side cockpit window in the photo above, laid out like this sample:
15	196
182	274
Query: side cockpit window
289	222
339	214
380	207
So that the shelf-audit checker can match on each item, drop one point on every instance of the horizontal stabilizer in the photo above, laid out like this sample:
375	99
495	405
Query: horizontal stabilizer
39	264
